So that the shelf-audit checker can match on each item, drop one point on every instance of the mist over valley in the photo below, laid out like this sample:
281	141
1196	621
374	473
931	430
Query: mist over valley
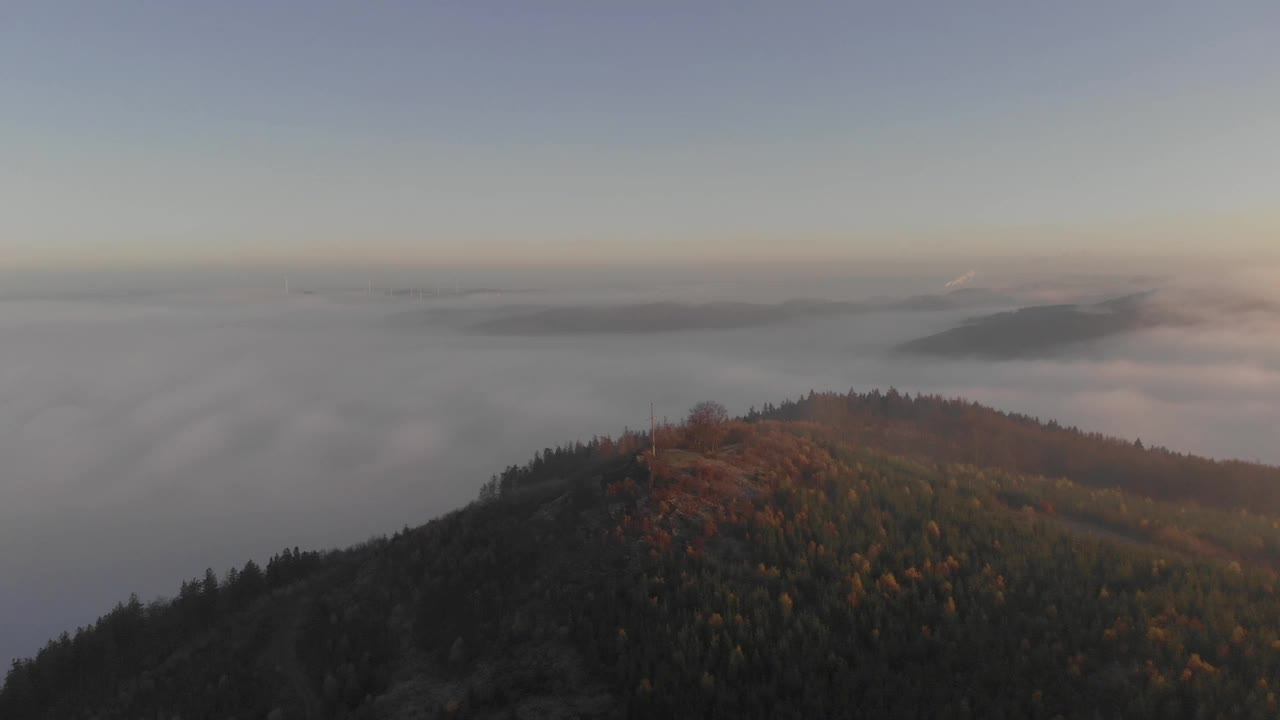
148	435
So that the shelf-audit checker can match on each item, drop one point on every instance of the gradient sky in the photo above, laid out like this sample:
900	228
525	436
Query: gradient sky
241	133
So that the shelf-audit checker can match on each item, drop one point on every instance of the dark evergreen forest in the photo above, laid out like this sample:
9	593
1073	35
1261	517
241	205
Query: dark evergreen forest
841	555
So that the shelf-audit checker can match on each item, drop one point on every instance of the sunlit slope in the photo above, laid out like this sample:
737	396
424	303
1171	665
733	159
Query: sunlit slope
867	561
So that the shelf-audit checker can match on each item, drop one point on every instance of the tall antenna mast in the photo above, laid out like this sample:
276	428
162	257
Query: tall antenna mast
653	430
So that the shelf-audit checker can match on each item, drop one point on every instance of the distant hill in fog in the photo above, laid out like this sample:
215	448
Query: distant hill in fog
659	317
1037	330
1045	329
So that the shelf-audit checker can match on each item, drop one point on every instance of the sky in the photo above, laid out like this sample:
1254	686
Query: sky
165	407
237	134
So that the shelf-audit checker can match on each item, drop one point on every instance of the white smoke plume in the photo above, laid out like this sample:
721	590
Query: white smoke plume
961	281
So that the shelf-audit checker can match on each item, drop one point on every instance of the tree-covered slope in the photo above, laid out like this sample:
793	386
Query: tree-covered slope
840	556
952	430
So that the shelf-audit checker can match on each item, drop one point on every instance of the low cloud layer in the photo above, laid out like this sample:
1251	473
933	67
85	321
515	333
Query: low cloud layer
148	438
666	317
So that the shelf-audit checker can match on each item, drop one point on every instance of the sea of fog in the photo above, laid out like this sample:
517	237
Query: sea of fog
149	431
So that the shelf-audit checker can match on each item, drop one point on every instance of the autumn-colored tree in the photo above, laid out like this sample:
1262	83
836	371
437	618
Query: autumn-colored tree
852	556
706	425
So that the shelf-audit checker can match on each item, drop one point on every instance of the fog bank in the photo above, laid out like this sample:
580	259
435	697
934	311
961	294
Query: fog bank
148	436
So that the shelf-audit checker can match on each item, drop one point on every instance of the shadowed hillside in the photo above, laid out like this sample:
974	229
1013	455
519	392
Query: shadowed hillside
1037	331
953	430
1044	330
861	555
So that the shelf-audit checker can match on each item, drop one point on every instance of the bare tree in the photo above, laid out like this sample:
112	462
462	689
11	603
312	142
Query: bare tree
706	425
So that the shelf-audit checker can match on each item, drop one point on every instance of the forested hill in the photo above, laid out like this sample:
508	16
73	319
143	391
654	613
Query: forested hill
953	430
862	555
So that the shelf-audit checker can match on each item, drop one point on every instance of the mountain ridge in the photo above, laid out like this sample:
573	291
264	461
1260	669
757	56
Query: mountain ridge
671	316
1041	330
830	555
